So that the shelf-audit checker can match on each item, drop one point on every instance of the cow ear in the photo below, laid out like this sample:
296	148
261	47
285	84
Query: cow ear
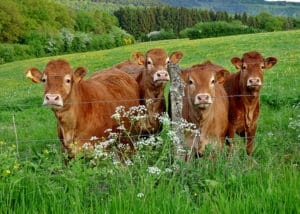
139	58
237	62
34	74
176	57
221	75
80	73
270	62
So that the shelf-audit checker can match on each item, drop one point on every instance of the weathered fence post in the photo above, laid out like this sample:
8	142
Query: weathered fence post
176	95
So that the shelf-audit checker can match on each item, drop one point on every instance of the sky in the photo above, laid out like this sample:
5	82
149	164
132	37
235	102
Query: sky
285	0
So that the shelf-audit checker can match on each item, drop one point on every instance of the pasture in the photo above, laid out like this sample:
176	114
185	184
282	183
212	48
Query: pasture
33	178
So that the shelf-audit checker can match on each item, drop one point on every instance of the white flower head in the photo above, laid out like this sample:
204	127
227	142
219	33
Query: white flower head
154	170
94	138
140	195
86	146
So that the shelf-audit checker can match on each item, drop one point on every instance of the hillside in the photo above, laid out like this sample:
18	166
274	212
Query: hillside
34	178
241	6
231	6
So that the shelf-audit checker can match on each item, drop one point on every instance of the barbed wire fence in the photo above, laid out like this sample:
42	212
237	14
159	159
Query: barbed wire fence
11	127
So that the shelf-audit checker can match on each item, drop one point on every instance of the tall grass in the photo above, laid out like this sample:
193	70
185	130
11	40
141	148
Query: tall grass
33	178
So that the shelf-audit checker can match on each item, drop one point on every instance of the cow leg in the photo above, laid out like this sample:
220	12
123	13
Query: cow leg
192	143
250	139
230	138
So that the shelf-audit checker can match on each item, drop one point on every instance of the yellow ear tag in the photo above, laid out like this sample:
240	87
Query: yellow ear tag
29	75
78	79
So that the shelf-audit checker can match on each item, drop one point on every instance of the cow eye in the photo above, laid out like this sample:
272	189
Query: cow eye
44	80
68	80
213	81
149	62
262	67
191	82
244	67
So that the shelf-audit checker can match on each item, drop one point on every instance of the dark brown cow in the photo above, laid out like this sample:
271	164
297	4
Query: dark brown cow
152	82
83	108
131	67
205	104
243	89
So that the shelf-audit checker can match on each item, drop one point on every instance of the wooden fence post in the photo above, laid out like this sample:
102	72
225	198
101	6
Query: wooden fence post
176	95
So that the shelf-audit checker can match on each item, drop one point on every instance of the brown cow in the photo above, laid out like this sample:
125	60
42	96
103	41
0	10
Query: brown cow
205	104
131	67
152	82
83	108
243	89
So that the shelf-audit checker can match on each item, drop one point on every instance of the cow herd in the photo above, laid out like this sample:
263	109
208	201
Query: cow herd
220	104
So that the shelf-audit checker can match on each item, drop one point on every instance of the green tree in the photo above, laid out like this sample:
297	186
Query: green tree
270	23
84	22
11	22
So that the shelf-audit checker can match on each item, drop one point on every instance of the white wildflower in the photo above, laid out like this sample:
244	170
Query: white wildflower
121	127
86	146
149	101
94	138
107	130
168	170
140	195
154	170
128	163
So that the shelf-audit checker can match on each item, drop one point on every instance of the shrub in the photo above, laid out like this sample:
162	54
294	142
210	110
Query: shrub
215	29
13	52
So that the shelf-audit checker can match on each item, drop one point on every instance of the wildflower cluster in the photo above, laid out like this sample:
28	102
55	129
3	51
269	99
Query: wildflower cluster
150	142
295	124
9	159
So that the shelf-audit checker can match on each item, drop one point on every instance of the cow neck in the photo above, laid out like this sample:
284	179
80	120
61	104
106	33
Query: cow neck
250	102
149	88
200	116
66	116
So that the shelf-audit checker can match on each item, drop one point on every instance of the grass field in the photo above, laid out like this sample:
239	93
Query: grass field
33	178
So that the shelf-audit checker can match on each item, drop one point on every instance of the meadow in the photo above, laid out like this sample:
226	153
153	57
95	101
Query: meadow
33	178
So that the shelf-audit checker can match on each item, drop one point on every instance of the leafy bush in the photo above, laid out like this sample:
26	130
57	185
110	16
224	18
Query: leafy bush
40	44
215	29
13	52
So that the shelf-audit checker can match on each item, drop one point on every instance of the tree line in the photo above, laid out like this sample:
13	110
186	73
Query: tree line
141	21
34	28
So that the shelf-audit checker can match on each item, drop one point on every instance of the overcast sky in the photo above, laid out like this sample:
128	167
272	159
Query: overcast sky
285	0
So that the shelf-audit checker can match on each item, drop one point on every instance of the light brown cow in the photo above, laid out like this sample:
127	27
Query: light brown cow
205	104
83	108
243	89
152	82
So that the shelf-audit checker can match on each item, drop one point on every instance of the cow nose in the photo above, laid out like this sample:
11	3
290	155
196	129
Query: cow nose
161	76
52	97
254	81
202	97
53	100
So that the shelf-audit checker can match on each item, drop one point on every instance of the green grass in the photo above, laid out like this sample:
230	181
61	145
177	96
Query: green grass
34	180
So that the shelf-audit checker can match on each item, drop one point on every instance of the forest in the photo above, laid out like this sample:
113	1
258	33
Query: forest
33	28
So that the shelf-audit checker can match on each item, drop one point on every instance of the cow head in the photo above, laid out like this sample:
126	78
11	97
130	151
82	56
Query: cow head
251	67
58	79
200	83
156	63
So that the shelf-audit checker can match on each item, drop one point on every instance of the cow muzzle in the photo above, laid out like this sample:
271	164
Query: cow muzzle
203	101
53	101
161	76
254	82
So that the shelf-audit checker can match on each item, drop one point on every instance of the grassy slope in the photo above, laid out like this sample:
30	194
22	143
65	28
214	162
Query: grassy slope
40	182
